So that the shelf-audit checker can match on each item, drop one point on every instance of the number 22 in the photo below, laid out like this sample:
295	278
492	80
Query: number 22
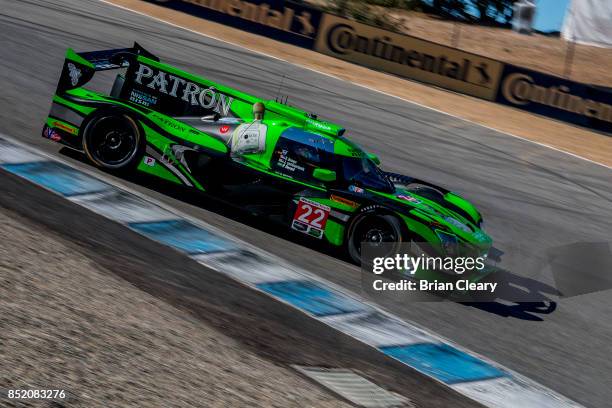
318	212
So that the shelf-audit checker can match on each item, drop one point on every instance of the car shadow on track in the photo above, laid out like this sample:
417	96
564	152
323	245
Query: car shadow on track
216	205
519	297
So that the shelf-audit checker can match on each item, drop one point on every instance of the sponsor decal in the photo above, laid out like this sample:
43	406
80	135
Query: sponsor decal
324	127
310	217
149	161
317	233
408	198
343	201
300	226
51	133
409	57
288	163
356	189
354	152
189	92
524	89
224	129
171	123
319	125
249	138
74	73
142	98
372	207
284	18
65	128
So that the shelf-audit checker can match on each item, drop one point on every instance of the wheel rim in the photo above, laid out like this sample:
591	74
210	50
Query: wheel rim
375	231
113	141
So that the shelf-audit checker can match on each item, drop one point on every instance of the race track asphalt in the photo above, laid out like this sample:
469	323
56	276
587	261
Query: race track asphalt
533	198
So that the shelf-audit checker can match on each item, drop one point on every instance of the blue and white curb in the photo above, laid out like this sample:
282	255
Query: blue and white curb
469	374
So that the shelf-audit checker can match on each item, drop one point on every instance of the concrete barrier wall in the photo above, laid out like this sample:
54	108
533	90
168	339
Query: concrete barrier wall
286	21
555	97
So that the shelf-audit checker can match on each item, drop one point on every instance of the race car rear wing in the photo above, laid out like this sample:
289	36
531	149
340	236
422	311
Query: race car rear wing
173	92
113	59
80	67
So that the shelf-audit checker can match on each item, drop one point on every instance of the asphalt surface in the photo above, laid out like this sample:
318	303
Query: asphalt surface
533	198
258	323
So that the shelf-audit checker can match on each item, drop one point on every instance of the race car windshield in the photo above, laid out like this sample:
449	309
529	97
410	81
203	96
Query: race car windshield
364	173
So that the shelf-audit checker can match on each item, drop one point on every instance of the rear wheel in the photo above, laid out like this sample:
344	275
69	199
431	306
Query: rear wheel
376	230
113	141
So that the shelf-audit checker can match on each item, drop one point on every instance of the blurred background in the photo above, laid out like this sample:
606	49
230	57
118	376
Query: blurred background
484	27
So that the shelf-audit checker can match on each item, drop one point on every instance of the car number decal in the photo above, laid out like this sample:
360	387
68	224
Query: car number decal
310	218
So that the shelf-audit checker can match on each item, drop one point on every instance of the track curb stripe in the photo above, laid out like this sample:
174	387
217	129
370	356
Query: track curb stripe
467	373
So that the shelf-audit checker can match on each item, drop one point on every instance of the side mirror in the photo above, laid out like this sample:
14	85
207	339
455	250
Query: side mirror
324	175
374	158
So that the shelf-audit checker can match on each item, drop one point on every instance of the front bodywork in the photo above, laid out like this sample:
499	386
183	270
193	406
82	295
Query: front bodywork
190	125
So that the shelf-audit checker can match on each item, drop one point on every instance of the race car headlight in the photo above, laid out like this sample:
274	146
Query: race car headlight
449	242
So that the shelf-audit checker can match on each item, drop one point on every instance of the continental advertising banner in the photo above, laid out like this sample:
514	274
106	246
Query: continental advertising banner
556	97
409	57
286	21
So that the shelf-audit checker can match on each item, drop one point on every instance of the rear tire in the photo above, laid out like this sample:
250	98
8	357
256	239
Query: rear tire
113	141
376	229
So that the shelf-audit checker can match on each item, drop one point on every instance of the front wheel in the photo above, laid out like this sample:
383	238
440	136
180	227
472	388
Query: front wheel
113	141
375	230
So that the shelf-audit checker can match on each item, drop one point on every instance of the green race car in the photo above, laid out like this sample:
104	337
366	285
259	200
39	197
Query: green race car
271	159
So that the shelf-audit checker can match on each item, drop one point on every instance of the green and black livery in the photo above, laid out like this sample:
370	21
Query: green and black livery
271	159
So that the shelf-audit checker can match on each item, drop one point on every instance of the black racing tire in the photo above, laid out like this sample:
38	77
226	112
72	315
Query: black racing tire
375	228
113	141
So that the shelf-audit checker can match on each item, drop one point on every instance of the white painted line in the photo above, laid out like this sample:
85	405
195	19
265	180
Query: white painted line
377	329
357	84
9	154
509	393
354	387
248	268
122	207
